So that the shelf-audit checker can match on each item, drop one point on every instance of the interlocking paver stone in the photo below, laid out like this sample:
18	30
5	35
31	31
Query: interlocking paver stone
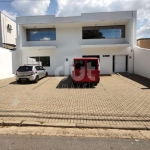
116	100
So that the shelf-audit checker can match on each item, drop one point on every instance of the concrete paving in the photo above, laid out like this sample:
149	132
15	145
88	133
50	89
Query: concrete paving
117	101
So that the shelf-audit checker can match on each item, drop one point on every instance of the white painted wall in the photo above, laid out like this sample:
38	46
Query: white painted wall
69	46
8	62
8	36
142	62
0	32
85	17
69	40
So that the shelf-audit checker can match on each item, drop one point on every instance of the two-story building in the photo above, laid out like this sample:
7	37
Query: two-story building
7	32
54	41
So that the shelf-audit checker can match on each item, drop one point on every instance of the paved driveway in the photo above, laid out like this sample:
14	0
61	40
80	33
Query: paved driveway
118	99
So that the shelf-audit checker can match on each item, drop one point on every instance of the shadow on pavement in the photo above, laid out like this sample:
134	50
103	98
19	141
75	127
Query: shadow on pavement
67	83
22	83
139	79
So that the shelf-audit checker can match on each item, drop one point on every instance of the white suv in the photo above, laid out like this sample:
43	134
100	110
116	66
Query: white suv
30	73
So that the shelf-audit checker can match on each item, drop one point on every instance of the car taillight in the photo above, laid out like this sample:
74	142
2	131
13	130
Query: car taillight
32	73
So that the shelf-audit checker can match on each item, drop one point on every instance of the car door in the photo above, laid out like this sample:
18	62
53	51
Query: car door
92	70
38	71
79	71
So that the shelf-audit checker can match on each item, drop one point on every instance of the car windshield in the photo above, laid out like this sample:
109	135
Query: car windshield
25	68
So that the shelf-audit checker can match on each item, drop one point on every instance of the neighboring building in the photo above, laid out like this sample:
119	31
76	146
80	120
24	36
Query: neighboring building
144	43
8	63
7	32
55	41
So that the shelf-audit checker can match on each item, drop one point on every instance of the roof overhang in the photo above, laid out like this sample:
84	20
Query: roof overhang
39	48
104	45
75	24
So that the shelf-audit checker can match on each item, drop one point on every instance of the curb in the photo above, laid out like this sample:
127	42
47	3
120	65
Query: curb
73	125
30	123
69	125
11	123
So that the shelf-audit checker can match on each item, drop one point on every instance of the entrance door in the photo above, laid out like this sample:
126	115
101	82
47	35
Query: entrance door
120	63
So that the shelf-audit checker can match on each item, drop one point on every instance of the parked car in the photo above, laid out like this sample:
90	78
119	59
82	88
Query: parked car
30	73
86	70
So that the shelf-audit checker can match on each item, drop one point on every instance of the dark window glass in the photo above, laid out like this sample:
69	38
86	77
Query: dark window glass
103	32
42	61
92	64
106	55
79	64
37	68
41	34
41	68
25	68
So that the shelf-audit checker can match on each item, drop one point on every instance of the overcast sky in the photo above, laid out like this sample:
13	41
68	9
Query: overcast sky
15	8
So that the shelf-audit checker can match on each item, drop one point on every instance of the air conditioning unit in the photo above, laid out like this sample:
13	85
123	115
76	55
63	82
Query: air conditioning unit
9	27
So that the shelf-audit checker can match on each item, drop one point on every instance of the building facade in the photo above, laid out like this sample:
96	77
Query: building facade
7	32
144	43
54	41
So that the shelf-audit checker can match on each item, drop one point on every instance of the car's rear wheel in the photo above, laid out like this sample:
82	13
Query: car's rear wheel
36	79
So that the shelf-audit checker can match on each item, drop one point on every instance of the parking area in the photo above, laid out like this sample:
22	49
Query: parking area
117	99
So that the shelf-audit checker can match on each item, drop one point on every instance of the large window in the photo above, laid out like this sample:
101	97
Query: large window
41	34
103	32
42	61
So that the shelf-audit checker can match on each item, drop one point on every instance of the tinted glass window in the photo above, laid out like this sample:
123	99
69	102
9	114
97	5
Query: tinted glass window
42	61
92	64
37	68
103	32
45	61
41	34
79	64
41	68
25	68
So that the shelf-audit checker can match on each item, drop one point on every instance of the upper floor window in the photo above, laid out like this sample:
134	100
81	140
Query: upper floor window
41	34
103	32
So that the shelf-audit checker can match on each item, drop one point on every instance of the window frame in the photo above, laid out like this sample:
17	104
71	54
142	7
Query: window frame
28	33
121	27
39	60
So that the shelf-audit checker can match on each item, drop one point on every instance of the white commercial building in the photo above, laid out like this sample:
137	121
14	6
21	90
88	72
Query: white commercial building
7	32
55	41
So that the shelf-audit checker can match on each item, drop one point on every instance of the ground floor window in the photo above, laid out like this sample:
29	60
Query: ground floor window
39	60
